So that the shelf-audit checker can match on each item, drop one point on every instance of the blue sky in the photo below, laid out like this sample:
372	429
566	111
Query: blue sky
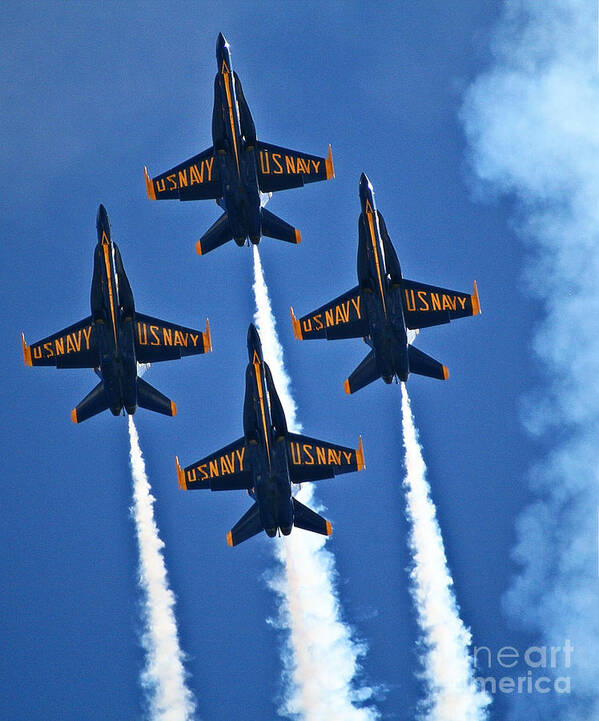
90	93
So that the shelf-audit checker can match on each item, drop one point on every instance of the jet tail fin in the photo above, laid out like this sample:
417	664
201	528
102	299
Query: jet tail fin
309	520
424	365
94	402
275	227
365	373
218	234
152	399
246	527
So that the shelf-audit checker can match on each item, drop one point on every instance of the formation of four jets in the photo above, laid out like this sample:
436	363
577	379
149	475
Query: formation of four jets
237	171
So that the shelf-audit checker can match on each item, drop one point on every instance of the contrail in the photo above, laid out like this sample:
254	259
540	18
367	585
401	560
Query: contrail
532	125
322	659
164	675
448	668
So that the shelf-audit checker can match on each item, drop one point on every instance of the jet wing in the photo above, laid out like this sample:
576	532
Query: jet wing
426	305
194	179
221	471
341	318
72	347
312	460
157	340
281	168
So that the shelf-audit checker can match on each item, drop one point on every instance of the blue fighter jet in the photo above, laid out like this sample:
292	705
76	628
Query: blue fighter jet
268	460
114	339
383	306
237	169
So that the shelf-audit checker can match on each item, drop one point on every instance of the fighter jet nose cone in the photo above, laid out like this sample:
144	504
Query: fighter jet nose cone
254	343
102	224
364	182
221	42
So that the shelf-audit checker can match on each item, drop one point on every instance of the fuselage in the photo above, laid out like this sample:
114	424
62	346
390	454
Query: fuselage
379	278
113	315
234	141
265	431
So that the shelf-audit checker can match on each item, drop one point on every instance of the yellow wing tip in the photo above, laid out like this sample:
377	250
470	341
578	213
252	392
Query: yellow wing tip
297	328
476	309
298	236
329	528
173	409
329	164
346	387
230	539
360	455
207	338
445	373
150	190
180	475
74	415
199	247
26	351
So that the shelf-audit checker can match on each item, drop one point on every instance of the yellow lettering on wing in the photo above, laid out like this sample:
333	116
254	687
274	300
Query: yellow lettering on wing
449	303
462	301
227	466
356	303
264	163
172	182
296	458
307	449
209	163
321	456
202	470
167	336
316	164
334	457
161	185
348	457
240	456
49	350
194	175
410	301
342	313
191	475
143	338
154	333
59	346
87	335
290	163
194	338
183	178
329	317
276	157
423	302
436	301
37	352
213	468
180	338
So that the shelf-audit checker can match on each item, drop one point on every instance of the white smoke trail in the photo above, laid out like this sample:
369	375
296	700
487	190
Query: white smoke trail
448	668
164	675
322	659
532	125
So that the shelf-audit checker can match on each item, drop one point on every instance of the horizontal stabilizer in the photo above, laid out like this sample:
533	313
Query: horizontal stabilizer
218	234
365	373
246	527
94	402
152	399
309	520
275	227
424	365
